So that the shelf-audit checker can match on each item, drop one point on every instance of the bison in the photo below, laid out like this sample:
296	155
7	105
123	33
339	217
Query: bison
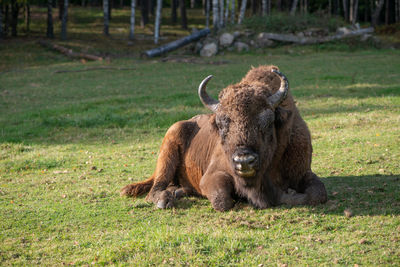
254	146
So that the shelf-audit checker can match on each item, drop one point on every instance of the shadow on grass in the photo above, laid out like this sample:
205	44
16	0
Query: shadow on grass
362	195
370	195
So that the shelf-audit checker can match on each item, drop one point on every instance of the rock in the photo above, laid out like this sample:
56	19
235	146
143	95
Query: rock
226	39
240	47
237	34
263	41
209	50
198	47
343	30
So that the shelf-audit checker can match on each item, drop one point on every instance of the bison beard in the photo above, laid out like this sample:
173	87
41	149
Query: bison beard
254	146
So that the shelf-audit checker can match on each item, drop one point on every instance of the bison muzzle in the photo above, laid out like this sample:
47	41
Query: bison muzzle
254	146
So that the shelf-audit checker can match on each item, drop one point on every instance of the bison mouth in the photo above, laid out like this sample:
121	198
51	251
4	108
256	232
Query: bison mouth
246	173
245	163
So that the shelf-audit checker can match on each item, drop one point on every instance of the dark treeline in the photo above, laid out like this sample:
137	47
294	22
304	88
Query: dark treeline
221	12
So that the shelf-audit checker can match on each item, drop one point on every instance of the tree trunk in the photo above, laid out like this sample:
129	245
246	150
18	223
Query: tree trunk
387	12
132	26
110	5
294	7
182	7
215	14
207	3
253	6
221	13
157	23
227	11
192	4
279	5
1	21
106	17
233	11
50	30
144	10
174	17
305	6
6	20
397	11
14	17
151	6
376	13
264	7
27	17
64	20
60	9
351	11
345	10
242	11
355	12
335	7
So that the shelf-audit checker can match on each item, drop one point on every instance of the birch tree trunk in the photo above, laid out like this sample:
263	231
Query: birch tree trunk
215	15
106	16
157	24
376	13
294	7
264	7
242	11
233	11
64	20
50	30
132	26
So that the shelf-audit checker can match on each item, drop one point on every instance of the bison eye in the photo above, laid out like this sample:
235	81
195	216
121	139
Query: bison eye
222	123
265	118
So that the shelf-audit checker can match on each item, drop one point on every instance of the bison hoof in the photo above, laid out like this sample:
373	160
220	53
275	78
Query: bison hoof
165	201
126	190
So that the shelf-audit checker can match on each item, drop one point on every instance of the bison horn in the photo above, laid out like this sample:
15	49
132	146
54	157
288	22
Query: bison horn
207	101
282	93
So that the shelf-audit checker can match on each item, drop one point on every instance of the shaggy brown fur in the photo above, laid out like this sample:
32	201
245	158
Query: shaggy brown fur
247	149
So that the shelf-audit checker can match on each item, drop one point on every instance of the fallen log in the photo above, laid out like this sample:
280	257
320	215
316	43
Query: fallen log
291	38
176	44
68	52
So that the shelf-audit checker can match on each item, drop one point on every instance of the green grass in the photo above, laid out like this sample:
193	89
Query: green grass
70	141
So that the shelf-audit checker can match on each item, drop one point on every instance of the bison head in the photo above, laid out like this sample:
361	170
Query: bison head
245	119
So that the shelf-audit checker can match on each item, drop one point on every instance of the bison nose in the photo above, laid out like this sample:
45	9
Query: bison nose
245	162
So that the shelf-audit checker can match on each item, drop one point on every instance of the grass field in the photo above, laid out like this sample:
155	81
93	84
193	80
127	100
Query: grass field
69	141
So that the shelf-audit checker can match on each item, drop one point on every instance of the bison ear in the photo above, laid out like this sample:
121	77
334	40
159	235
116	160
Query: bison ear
282	116
213	122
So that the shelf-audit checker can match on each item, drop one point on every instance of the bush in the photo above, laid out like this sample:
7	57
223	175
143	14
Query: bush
284	23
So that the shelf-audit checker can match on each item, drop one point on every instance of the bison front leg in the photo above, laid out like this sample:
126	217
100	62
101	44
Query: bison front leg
218	188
